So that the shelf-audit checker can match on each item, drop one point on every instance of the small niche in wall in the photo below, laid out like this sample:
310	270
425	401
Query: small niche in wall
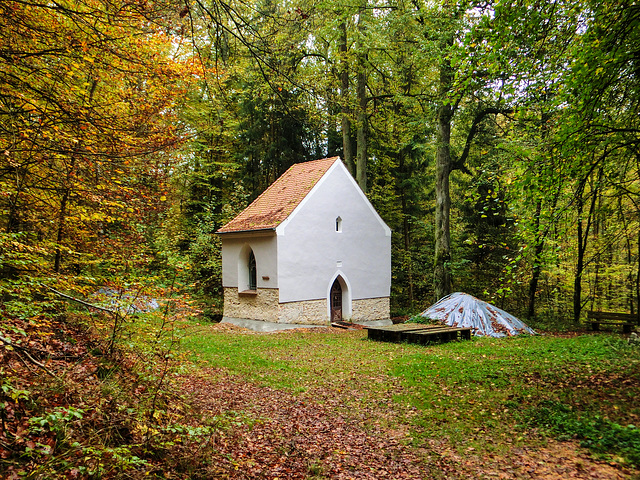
265	278
339	225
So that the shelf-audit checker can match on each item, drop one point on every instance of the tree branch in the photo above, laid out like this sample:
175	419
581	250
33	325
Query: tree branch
459	164
9	343
82	302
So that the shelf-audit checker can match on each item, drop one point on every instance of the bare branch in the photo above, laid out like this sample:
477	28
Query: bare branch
82	302
14	346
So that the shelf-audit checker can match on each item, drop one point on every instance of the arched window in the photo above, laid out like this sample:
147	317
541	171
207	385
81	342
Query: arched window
338	224
252	272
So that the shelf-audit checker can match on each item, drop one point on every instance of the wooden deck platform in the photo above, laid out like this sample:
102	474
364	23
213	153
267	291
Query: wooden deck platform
417	333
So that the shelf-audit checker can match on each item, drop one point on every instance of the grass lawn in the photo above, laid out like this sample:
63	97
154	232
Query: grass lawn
486	396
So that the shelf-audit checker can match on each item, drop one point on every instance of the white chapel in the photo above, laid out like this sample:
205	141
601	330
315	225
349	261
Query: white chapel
311	249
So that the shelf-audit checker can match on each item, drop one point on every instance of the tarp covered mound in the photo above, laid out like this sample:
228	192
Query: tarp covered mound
464	310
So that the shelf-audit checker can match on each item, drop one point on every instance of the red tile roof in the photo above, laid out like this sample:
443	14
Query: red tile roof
277	202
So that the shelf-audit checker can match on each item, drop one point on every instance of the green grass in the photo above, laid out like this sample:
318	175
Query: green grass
485	393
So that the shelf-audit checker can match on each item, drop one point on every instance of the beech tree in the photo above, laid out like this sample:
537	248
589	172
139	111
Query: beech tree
575	78
88	97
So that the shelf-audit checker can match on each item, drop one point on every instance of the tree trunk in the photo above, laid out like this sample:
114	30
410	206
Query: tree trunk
583	238
638	282
333	137
361	162
361	93
577	280
630	279
541	233
537	263
444	165
13	217
407	244
60	235
347	146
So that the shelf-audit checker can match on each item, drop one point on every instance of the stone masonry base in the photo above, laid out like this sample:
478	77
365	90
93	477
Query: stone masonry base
369	309
263	305
309	312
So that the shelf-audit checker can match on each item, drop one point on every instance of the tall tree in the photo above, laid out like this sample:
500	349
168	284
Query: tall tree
361	94
88	97
451	28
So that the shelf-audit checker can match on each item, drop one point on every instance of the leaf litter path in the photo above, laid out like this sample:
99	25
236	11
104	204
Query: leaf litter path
283	436
272	434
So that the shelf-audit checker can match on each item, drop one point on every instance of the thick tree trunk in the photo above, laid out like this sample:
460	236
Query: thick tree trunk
347	148
442	269
361	93
444	165
333	137
345	123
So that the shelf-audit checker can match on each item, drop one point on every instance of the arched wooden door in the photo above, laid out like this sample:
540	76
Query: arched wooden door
336	301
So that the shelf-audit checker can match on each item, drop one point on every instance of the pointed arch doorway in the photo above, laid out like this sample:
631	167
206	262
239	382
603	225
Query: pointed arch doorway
336	301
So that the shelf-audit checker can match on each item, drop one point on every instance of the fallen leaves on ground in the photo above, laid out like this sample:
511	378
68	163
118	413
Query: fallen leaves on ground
285	436
555	461
259	432
271	433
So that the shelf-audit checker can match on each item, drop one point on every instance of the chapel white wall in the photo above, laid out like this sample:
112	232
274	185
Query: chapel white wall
311	252
264	249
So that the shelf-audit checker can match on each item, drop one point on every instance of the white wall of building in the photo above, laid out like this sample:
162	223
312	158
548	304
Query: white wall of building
264	246
312	252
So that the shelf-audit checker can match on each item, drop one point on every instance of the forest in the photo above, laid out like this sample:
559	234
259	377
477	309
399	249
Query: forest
499	140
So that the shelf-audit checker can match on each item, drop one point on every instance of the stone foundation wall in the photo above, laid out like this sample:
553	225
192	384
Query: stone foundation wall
263	305
310	312
369	309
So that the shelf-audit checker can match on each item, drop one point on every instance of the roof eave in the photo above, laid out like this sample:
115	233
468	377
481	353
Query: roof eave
261	231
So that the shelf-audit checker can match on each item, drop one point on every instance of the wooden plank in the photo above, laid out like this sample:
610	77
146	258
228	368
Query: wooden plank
393	333
624	320
440	335
418	333
432	331
404	326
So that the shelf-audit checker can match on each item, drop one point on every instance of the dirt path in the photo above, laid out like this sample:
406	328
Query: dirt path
273	434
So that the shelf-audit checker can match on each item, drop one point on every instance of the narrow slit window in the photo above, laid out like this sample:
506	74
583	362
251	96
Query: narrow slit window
252	272
338	224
